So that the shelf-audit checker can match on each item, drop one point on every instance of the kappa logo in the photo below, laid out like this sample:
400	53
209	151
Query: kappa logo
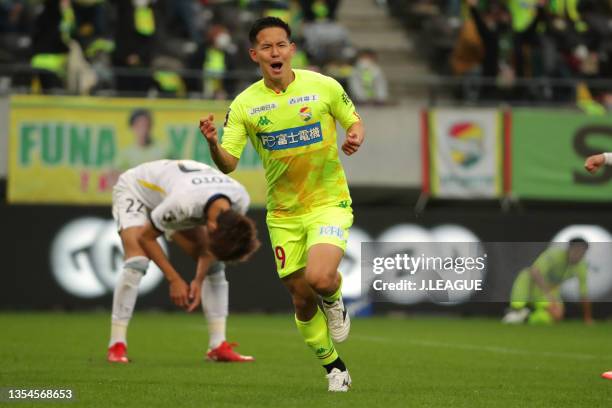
264	121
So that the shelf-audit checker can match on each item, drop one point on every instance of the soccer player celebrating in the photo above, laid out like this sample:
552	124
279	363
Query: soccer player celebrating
202	210
290	117
538	286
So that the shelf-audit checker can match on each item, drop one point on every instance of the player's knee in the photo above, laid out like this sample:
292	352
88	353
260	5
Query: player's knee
216	273
323	281
138	264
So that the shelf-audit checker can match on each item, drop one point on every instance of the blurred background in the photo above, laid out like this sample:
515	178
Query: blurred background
479	116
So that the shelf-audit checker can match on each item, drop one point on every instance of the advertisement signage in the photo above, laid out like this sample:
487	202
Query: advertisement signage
70	150
465	153
548	153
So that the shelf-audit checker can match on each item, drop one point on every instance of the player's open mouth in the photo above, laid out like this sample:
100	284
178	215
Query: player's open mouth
276	67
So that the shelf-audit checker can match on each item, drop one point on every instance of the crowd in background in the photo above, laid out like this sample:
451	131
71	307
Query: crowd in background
545	51
161	47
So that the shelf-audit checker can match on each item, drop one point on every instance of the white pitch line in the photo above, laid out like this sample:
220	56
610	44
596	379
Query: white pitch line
469	347
438	344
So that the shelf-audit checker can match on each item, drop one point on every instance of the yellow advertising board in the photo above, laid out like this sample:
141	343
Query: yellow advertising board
70	150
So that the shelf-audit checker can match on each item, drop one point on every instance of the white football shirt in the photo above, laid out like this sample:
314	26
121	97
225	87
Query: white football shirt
178	192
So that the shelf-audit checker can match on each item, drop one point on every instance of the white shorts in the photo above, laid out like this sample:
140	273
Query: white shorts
128	211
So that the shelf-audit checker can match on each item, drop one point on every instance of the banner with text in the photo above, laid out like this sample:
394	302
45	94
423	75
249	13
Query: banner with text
465	153
70	150
548	153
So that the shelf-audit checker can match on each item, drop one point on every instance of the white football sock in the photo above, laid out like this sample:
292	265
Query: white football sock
124	300
215	299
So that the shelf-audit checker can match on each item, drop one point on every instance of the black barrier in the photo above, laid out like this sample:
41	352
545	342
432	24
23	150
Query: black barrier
32	233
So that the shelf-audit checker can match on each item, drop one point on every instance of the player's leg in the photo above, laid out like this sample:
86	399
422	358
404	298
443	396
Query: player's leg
129	218
327	237
215	300
312	325
289	243
547	311
126	293
519	299
322	274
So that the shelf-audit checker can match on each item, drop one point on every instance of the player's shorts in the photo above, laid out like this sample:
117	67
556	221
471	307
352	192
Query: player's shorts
128	210
291	237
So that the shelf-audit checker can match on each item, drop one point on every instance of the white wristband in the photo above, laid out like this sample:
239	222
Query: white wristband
608	158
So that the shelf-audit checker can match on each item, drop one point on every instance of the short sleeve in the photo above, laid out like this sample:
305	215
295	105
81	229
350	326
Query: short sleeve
545	262
342	107
234	137
172	214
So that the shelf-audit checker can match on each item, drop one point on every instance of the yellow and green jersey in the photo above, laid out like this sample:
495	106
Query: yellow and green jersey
294	133
555	269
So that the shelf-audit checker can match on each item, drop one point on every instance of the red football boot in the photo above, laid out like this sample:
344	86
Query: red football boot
224	353
117	353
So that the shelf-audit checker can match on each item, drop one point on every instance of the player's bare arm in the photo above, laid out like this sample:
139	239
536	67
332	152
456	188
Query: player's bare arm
594	162
355	136
224	161
194	243
540	282
179	291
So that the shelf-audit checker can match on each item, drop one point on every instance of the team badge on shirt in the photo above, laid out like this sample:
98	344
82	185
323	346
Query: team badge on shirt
306	113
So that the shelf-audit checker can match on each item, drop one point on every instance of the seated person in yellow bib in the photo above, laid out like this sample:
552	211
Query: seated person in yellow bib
536	291
290	118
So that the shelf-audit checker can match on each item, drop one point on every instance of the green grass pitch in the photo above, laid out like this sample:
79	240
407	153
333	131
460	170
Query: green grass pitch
394	362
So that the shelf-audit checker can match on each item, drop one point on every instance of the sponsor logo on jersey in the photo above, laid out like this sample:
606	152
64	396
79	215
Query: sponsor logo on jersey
294	137
331	231
263	108
169	217
306	113
264	121
298	100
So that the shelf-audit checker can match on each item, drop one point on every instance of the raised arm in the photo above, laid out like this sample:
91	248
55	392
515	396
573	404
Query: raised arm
224	161
594	162
355	135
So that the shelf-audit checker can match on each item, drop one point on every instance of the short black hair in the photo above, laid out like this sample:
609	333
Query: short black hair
136	113
267	22
579	241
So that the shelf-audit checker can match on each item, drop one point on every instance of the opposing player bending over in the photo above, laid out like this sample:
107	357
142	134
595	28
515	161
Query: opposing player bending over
200	209
290	117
